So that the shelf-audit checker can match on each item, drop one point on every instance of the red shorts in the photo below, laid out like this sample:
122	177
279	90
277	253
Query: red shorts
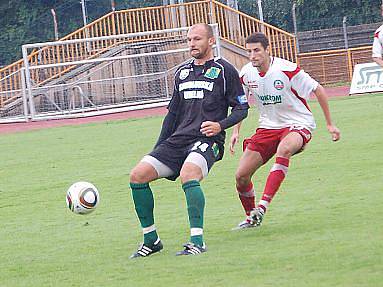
266	141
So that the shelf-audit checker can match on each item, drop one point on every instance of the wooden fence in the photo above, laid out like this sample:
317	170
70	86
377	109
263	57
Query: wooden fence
334	66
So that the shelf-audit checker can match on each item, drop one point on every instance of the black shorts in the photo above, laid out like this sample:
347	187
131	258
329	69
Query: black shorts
174	156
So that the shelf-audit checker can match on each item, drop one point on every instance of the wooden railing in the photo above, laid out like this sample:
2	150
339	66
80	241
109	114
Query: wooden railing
234	27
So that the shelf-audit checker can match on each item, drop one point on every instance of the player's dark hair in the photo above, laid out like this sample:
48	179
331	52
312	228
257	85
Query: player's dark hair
258	38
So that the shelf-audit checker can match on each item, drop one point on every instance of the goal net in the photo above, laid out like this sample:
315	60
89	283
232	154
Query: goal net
104	74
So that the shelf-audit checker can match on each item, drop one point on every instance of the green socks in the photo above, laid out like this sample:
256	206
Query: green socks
144	204
196	203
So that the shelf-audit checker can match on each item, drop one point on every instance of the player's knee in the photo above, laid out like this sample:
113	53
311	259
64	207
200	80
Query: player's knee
186	176
241	180
284	151
137	176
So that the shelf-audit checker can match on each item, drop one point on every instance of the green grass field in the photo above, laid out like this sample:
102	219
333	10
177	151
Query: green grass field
324	228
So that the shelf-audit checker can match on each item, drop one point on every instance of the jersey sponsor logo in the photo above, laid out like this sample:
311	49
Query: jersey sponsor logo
279	85
184	74
212	73
242	99
270	99
193	95
196	85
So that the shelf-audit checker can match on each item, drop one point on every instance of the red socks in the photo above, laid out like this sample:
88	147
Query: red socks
276	176
247	196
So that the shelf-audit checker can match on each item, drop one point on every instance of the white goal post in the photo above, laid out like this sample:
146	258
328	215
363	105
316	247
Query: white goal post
92	76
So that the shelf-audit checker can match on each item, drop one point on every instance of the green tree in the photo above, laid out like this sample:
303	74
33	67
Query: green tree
314	14
320	14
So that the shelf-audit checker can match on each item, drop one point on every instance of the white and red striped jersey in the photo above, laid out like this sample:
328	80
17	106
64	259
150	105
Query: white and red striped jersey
281	94
377	46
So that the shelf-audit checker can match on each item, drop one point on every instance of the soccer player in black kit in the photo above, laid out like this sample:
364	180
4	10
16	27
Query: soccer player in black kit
191	139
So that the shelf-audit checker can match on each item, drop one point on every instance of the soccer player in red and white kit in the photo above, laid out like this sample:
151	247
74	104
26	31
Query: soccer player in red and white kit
377	46
281	90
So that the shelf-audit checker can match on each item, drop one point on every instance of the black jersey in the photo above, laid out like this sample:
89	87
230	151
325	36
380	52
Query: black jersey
204	93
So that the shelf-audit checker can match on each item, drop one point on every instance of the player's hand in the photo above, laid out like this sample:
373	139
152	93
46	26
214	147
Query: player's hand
210	129
334	131
233	141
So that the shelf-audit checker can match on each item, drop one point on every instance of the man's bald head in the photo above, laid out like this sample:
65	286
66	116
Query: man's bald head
204	28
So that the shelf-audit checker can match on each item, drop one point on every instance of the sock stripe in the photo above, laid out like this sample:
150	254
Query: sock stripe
264	204
281	167
149	229
196	231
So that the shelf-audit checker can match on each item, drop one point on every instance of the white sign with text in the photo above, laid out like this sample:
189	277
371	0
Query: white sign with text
367	78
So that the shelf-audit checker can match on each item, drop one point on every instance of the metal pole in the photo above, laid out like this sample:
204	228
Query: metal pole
260	11
173	13
345	32
232	4
211	13
295	26
24	88
55	24
233	20
182	13
28	81
83	8
217	42
84	19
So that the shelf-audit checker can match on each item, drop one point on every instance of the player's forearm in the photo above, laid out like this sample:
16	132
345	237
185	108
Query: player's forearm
236	116
379	61
323	102
237	128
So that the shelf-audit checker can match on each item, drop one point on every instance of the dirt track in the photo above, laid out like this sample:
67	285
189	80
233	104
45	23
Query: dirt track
20	127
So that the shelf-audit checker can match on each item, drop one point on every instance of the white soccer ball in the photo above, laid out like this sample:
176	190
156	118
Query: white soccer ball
82	197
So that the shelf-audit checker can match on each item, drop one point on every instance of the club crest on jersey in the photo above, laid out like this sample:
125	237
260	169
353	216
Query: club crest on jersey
279	85
212	73
253	84
184	74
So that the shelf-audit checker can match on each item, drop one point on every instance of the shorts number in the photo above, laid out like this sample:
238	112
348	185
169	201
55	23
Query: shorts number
202	146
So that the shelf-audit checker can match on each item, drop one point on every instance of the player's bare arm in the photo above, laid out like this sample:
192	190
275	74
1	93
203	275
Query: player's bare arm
321	95
235	137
